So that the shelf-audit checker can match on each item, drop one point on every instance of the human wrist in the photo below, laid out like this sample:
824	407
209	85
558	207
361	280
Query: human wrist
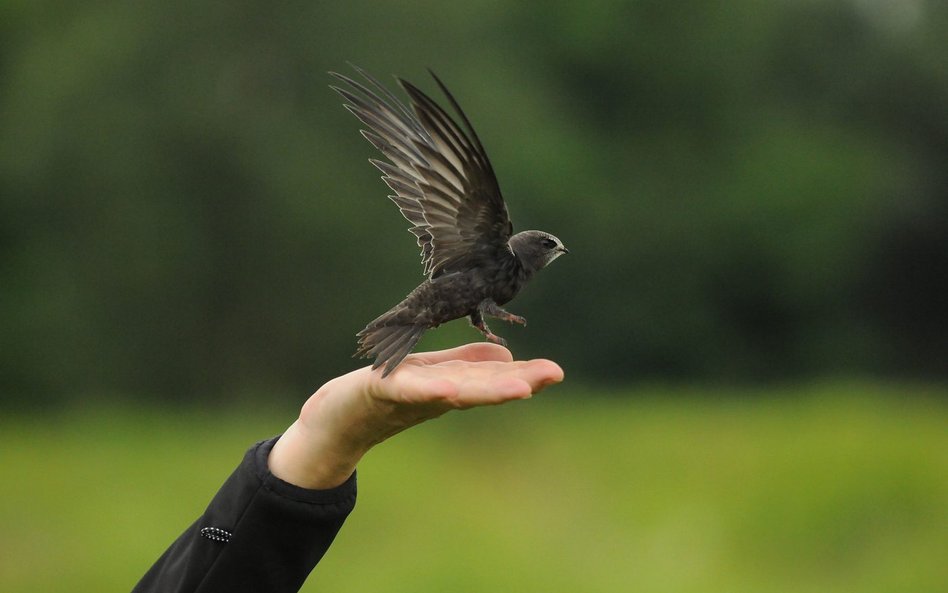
316	452
313	464
337	426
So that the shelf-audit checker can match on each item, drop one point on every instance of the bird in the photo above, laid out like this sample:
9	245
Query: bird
445	186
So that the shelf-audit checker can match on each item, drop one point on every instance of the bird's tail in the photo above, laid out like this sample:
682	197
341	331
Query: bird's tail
389	344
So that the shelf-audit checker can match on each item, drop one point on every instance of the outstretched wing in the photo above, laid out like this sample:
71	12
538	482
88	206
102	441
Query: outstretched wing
443	182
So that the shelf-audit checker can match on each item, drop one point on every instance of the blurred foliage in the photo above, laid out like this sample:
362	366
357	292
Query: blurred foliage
836	488
749	190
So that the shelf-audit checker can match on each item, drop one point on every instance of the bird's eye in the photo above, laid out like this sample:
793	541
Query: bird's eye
548	243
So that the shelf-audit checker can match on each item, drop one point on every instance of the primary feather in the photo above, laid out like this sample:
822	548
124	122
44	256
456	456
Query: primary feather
443	181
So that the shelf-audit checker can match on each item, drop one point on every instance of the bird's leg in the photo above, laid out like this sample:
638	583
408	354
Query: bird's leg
477	320
489	307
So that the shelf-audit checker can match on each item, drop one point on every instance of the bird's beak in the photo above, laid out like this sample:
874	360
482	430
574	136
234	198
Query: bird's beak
564	249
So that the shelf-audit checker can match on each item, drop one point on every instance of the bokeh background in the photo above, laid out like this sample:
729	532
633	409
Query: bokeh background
752	317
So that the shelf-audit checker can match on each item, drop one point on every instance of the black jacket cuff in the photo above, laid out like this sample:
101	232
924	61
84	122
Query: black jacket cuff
259	533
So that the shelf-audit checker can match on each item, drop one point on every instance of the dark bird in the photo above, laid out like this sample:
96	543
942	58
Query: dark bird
445	186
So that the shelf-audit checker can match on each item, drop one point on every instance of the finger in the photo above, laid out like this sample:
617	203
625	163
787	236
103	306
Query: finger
491	392
476	352
457	383
541	372
460	383
506	382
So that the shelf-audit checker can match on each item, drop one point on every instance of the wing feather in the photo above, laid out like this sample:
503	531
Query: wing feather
443	181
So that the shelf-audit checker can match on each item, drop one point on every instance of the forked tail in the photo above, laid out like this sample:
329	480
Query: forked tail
389	344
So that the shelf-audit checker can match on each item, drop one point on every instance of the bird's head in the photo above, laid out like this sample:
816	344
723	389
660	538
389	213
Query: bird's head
536	249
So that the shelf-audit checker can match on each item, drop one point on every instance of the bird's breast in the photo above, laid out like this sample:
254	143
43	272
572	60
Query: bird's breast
458	294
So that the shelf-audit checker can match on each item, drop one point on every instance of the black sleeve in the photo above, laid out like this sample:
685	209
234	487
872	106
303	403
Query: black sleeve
258	534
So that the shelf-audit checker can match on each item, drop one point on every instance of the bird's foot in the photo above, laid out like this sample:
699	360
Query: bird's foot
495	339
489	307
478	322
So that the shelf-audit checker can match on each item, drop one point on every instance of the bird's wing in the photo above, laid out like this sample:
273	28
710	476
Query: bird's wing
443	182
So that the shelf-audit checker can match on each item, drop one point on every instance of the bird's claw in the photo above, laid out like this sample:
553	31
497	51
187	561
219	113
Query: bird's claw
516	319
495	339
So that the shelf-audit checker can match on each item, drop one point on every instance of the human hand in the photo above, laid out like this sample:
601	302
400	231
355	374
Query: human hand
352	413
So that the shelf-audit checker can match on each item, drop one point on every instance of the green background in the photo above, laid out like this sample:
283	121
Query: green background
750	191
839	487
751	319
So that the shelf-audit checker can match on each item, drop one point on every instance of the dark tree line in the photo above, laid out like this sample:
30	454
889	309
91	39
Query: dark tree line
749	191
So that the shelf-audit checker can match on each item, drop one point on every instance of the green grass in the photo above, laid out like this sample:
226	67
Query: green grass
833	488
